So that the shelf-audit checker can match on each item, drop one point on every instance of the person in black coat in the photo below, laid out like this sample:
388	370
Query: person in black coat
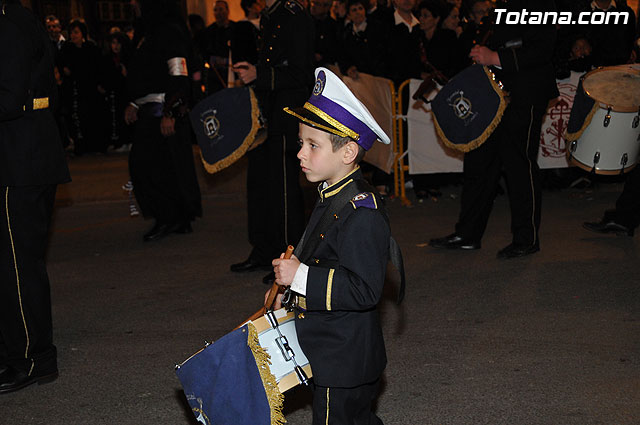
32	164
440	47
282	77
527	72
402	57
246	33
218	38
612	43
115	64
80	60
326	30
161	161
361	43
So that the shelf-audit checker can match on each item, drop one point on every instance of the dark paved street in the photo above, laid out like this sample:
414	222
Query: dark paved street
553	338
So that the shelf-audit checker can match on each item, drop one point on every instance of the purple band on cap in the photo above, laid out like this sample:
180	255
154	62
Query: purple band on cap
344	117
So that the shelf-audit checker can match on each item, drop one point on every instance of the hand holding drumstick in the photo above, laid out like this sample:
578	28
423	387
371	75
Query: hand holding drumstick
285	269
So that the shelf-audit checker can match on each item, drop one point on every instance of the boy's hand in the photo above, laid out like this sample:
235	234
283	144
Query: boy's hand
285	270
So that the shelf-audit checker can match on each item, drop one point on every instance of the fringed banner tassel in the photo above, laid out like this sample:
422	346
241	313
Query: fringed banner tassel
263	360
570	137
246	144
473	144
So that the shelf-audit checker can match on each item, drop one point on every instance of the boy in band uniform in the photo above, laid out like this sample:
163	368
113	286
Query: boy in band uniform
337	272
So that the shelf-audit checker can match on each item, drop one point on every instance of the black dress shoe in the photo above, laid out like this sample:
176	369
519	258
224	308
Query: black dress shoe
454	241
158	231
12	379
249	265
515	250
269	279
608	226
183	228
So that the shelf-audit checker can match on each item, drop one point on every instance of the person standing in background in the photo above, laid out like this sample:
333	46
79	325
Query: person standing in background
161	161
218	39
80	60
282	77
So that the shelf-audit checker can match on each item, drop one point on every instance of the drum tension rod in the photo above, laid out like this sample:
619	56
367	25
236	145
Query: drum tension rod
623	162
607	118
285	348
572	149
596	159
636	119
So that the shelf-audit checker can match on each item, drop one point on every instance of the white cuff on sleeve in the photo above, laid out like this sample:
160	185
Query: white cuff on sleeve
299	284
177	67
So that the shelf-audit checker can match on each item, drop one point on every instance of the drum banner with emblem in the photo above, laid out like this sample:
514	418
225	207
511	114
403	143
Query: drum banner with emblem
582	112
226	124
230	382
468	108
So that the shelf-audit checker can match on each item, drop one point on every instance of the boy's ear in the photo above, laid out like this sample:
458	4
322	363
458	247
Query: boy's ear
351	150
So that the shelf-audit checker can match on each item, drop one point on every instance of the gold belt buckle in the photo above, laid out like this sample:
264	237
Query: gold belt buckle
40	103
301	302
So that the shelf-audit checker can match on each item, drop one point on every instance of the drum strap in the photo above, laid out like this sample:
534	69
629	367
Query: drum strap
340	206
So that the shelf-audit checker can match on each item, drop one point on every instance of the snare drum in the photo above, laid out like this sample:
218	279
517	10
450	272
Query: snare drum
233	380
289	365
609	139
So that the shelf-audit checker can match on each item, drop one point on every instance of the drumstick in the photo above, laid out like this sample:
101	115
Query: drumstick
275	287
272	295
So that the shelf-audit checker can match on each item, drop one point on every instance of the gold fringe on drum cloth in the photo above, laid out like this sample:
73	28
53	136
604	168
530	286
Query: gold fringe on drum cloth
475	143
274	396
570	137
246	144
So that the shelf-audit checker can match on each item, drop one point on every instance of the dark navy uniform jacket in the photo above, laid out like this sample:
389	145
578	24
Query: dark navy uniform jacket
339	330
285	64
30	149
527	71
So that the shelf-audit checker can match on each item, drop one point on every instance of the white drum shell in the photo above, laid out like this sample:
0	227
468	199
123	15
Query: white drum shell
611	143
283	370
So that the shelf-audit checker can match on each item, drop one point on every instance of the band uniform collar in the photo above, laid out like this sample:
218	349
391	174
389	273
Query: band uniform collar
329	191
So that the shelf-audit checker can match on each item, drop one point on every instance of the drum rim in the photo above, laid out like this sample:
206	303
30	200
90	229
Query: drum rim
605	105
577	163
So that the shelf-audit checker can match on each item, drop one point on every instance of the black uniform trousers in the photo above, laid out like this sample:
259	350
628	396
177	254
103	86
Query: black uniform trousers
163	171
275	202
345	406
512	148
25	301
627	210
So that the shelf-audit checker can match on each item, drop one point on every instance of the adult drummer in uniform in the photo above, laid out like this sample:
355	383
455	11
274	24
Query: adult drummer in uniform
282	77
521	56
32	163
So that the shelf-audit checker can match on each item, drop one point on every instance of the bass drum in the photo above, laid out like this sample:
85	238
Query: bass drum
610	143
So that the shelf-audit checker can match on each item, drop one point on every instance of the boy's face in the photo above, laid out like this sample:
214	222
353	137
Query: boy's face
317	159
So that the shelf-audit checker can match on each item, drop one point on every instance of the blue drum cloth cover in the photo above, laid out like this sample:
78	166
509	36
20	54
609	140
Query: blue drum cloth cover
582	112
229	382
225	124
468	108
